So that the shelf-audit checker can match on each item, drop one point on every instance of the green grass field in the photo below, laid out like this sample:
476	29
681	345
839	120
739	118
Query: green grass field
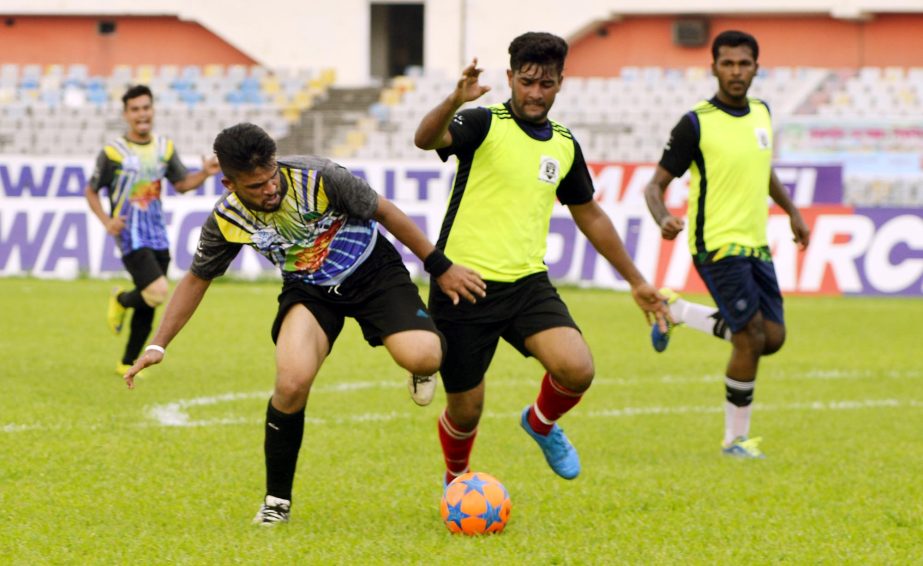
172	472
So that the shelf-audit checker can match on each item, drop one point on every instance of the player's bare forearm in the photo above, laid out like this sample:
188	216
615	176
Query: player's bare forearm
182	305
599	230
433	131
403	228
779	195
458	281
95	206
194	180
112	225
670	226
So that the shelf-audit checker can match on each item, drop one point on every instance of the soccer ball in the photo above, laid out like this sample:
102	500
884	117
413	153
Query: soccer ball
475	503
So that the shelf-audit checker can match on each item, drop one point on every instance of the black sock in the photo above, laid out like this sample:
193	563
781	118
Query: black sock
142	318
283	441
738	393
721	328
131	299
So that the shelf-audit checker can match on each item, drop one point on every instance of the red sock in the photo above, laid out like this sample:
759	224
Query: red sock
456	446
553	401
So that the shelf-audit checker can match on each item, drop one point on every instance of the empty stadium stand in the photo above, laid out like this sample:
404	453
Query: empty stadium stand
63	110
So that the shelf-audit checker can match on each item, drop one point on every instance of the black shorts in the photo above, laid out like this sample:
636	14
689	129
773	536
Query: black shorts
145	265
741	286
379	295
512	311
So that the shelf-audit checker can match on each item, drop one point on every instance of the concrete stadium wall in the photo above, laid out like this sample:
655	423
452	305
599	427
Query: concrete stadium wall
327	33
148	40
806	41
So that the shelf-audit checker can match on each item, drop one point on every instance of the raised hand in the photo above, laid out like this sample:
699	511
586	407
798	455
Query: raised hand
468	87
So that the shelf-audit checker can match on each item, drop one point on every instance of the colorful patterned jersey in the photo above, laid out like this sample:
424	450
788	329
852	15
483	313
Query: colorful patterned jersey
322	231
132	173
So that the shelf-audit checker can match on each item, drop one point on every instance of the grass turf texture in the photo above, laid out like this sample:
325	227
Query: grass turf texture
90	474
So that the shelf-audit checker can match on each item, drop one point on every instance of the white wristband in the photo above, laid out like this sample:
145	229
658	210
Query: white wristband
156	348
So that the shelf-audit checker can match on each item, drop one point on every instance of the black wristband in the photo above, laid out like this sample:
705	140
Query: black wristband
437	263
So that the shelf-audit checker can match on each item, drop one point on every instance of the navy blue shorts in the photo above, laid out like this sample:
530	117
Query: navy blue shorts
512	311
742	286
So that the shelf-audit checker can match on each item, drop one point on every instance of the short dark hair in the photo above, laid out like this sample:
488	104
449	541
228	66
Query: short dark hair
541	48
134	92
243	148
734	38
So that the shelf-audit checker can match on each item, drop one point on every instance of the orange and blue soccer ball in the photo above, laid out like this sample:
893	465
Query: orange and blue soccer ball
475	503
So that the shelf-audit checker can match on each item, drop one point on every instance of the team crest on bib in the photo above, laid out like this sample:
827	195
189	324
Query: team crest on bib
549	170
762	137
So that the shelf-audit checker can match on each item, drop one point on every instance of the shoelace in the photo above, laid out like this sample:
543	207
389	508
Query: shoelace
273	513
420	379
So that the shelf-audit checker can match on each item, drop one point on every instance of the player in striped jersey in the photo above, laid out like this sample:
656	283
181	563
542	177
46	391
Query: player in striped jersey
319	224
132	169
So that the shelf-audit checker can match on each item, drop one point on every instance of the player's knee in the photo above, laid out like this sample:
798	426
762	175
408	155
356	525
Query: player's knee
774	342
291	391
577	375
755	338
425	362
466	416
156	293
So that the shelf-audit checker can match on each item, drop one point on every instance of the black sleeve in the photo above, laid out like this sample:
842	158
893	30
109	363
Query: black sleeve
102	172
213	254
348	193
682	146
577	186
468	128
176	171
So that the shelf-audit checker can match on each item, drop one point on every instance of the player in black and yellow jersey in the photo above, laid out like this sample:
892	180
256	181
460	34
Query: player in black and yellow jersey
319	224
726	142
513	162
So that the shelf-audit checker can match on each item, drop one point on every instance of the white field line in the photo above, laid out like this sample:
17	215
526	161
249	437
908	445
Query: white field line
176	414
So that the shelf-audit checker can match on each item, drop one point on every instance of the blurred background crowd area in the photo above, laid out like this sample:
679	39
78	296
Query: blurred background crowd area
863	110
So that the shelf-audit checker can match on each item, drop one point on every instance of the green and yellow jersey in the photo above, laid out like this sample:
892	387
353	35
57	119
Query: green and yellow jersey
508	176
729	154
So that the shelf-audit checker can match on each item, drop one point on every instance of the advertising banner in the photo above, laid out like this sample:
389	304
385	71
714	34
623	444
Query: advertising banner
46	229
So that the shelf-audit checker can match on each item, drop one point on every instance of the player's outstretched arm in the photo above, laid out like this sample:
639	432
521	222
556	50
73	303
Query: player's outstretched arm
456	281
670	226
800	230
113	226
433	131
194	180
183	303
597	227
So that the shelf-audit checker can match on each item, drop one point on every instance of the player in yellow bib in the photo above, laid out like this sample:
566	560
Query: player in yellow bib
726	143
513	162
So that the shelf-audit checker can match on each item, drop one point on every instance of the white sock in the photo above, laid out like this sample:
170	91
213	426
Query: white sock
700	317
736	422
